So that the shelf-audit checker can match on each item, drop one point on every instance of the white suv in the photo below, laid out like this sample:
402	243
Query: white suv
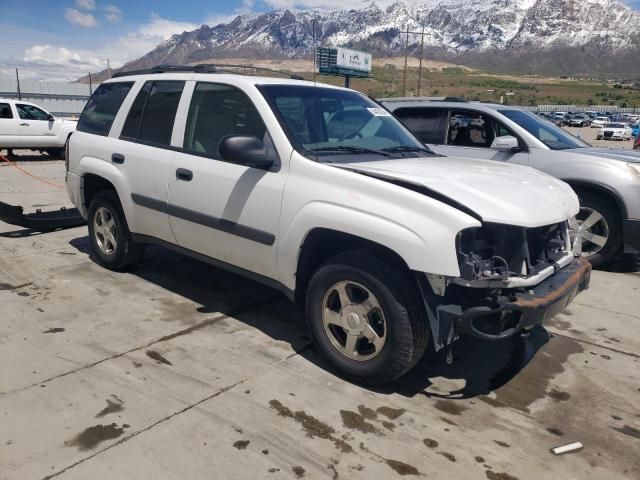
25	125
322	194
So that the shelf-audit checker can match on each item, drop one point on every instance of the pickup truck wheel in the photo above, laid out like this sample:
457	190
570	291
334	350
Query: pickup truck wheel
366	317
598	228
109	234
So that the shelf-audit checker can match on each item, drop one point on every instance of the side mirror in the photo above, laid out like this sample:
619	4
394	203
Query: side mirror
50	117
507	143
245	150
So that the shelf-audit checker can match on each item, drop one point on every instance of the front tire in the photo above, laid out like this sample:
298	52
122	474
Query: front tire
109	234
599	229
366	317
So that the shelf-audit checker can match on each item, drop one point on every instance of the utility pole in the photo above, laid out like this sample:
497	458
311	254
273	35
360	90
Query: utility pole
90	85
406	55
18	84
420	67
313	43
108	68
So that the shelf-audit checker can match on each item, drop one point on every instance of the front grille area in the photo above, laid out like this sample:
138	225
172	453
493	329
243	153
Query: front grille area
608	134
496	251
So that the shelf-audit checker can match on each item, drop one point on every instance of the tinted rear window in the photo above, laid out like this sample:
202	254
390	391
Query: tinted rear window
5	111
424	123
153	113
101	109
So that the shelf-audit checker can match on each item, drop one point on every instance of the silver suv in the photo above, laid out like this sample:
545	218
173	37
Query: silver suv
606	180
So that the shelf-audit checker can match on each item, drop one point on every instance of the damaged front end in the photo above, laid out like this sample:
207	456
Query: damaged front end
511	279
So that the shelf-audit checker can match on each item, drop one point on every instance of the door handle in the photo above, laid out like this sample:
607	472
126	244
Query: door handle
117	158
24	124
184	174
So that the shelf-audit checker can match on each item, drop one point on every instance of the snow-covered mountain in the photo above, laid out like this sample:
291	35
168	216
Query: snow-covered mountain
537	36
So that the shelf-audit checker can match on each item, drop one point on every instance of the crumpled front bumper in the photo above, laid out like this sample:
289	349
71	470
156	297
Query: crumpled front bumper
520	310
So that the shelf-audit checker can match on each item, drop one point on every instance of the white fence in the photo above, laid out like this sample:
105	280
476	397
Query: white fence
59	98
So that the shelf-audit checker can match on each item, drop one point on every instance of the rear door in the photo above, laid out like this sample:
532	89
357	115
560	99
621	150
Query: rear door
9	126
470	134
36	129
143	154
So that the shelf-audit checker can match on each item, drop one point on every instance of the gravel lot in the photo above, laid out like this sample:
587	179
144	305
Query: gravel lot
178	370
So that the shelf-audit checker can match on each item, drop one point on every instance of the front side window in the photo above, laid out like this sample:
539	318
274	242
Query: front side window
426	123
101	109
551	135
335	125
29	112
151	117
5	111
216	112
470	129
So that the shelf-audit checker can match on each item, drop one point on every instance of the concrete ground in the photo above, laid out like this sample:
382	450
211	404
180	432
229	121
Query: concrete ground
178	370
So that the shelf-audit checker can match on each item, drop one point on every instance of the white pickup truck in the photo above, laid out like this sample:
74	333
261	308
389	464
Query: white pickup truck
321	193
28	126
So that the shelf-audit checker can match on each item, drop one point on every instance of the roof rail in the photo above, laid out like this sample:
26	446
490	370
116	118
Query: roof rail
423	99
205	68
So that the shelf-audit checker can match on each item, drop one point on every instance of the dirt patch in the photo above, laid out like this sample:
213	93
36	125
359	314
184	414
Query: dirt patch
448	456
559	396
367	412
298	471
450	407
355	421
241	444
628	430
114	404
555	431
501	443
54	330
311	425
429	442
479	459
92	436
391	413
491	475
402	468
157	357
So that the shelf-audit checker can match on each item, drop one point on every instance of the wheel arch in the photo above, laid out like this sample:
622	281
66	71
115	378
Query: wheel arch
606	191
320	244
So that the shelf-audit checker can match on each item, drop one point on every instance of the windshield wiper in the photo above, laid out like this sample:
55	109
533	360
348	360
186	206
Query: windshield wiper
408	148
350	149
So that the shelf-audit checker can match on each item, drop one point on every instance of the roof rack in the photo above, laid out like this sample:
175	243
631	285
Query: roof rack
205	68
423	99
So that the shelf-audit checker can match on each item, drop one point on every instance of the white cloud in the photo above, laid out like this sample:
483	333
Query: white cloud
159	27
86	4
76	17
113	13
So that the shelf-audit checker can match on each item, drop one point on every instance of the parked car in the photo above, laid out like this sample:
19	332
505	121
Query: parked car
560	118
606	180
320	192
599	122
579	120
615	131
26	125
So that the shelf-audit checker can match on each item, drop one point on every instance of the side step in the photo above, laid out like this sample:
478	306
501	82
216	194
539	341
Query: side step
41	221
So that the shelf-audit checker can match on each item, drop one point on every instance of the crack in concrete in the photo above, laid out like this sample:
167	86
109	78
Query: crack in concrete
636	317
186	331
594	344
175	414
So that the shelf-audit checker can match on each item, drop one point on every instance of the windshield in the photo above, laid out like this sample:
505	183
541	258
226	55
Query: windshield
332	125
616	125
551	135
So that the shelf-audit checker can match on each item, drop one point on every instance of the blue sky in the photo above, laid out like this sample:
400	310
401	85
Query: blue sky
64	39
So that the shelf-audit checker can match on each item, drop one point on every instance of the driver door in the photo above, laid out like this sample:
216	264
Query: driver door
36	130
224	210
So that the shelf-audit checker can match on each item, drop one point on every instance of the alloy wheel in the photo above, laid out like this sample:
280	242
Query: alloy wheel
589	232
104	228
354	321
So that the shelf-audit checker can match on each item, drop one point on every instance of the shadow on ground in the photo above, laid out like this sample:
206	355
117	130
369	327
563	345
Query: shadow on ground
484	366
18	155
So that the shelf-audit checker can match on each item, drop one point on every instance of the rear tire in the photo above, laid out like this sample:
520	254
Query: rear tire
610	226
109	233
397	317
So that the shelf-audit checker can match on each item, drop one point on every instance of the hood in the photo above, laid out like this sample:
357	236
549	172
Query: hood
629	156
497	192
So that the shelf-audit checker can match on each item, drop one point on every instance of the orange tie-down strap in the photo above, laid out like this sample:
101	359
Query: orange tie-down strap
13	164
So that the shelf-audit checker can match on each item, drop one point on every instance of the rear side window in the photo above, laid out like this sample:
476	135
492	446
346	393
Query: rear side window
5	111
425	123
101	109
153	113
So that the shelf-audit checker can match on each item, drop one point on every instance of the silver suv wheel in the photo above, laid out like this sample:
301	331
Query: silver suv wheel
104	228
589	231
354	321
